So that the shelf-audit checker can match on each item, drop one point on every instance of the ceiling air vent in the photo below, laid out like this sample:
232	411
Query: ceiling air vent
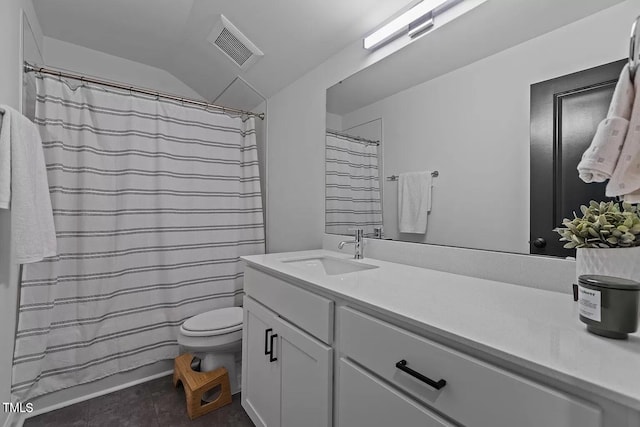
235	45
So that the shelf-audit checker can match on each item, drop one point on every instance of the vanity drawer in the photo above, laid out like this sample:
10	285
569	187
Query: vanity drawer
476	393
365	401
304	309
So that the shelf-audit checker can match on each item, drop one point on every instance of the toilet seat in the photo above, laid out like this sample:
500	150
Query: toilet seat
215	337
212	323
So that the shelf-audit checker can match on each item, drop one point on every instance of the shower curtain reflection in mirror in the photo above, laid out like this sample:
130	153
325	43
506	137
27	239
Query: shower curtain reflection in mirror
353	197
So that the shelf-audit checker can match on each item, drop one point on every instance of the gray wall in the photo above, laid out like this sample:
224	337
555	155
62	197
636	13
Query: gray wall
11	42
9	95
79	59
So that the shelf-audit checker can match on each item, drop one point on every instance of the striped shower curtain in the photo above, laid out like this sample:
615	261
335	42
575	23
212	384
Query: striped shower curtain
154	202
352	186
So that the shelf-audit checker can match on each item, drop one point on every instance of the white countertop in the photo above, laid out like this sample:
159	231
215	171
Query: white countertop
537	329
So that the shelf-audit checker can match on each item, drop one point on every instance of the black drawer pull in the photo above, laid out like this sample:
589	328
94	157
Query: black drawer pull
271	357
402	365
266	341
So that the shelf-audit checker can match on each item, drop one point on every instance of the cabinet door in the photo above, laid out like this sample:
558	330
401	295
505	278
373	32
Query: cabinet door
260	375
306	378
365	401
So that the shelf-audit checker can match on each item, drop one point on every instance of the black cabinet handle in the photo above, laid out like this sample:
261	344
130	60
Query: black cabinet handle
271	357
402	365
266	341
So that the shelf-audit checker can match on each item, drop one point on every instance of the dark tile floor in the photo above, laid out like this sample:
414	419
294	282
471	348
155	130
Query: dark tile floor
152	404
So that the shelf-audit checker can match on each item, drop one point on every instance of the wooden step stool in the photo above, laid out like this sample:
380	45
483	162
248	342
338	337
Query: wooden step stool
196	384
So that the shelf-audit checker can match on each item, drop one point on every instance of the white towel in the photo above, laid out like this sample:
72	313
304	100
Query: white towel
599	161
24	188
625	180
414	201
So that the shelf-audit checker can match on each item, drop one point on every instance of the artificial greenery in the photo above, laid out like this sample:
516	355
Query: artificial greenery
603	225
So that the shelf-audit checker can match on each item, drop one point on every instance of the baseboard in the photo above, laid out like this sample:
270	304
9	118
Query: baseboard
44	410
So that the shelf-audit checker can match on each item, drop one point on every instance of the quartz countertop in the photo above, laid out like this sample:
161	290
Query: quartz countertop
533	328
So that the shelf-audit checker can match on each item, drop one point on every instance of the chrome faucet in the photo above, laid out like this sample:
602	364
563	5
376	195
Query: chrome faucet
358	242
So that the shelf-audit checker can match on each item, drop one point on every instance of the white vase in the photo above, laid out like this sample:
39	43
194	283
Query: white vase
616	262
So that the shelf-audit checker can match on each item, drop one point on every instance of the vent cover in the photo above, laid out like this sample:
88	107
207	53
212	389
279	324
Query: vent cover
235	45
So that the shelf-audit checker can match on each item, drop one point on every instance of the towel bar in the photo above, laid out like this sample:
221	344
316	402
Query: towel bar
434	174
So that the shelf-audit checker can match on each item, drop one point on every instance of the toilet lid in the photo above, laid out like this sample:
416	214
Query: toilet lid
216	322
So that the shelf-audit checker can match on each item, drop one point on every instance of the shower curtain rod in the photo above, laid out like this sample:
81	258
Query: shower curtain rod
30	68
355	138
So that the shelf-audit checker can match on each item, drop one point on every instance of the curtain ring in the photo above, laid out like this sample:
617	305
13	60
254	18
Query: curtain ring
130	90
82	81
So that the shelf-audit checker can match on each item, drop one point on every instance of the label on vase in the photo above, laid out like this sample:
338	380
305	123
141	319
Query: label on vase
589	302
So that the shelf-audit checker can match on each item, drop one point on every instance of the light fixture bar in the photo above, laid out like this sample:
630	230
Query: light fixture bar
421	25
401	23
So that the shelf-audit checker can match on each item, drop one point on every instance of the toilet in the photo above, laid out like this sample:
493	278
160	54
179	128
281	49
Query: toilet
215	337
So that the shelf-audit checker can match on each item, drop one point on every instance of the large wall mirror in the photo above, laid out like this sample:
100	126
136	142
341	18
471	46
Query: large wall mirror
458	102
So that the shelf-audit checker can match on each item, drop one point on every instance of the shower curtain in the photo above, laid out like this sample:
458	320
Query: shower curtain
154	202
352	186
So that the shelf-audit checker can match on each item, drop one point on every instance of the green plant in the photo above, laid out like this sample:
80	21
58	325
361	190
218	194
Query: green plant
603	225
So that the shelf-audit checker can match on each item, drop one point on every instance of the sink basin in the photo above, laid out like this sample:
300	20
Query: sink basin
329	266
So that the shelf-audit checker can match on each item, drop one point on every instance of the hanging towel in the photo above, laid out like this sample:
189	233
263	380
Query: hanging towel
633	197
625	180
24	188
600	159
414	201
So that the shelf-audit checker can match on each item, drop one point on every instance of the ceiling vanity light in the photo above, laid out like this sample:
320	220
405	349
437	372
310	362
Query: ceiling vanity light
413	22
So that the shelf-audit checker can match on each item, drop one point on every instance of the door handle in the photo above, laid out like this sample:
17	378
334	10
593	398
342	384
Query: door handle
539	243
272	358
402	365
266	341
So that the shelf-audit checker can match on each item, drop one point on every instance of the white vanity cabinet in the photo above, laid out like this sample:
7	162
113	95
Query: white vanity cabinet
287	373
351	352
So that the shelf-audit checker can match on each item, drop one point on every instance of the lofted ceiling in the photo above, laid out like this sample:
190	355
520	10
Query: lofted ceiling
295	36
